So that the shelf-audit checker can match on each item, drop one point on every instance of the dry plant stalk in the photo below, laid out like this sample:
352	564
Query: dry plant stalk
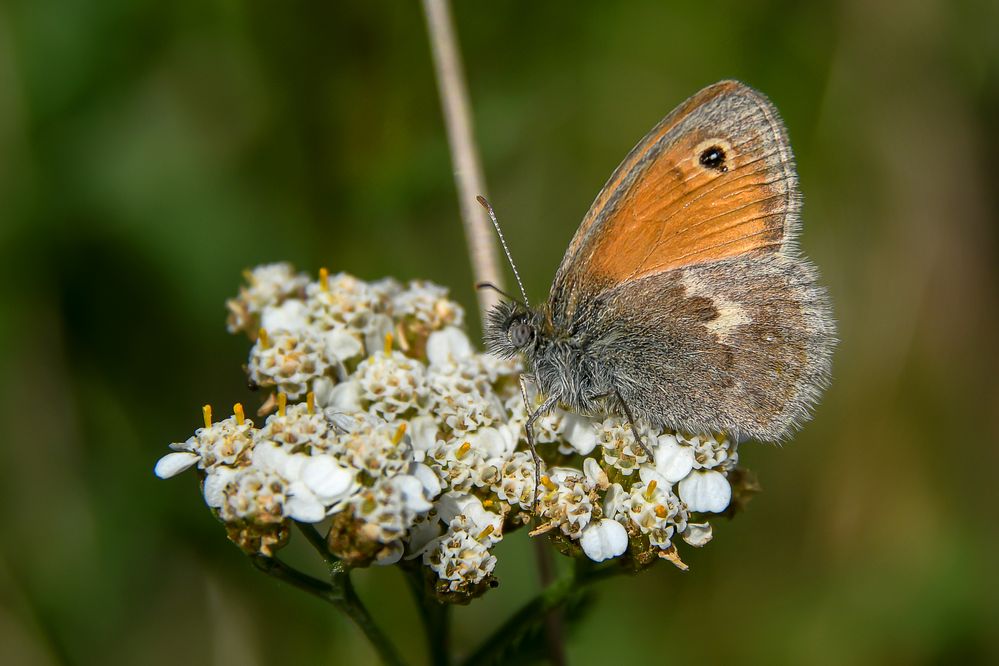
468	176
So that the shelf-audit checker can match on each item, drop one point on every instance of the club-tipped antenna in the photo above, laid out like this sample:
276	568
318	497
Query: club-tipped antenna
499	232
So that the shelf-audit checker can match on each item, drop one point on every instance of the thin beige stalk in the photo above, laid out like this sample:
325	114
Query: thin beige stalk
479	234
468	178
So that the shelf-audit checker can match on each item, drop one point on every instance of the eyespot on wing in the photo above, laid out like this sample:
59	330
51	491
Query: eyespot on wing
715	179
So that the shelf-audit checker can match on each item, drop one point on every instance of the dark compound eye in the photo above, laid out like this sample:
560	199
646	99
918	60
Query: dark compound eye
521	334
714	158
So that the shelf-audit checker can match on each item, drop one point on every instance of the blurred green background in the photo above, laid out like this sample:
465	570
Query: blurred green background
149	151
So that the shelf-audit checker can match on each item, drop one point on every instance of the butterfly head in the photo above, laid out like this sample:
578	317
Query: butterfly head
512	328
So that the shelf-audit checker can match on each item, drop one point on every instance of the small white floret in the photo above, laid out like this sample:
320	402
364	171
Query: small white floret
378	326
173	464
604	539
431	482
706	491
673	459
452	504
344	398
490	443
422	435
303	505
697	534
448	347
214	486
327	479
649	474
341	345
595	474
421	536
614	501
580	432
289	317
412	492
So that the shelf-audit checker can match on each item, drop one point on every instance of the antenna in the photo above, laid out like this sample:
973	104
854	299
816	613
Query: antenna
499	232
490	285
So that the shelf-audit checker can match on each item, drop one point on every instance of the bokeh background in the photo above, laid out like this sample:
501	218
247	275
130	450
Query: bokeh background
149	151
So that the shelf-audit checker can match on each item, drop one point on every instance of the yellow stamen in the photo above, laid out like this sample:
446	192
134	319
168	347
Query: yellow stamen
265	340
237	409
661	511
487	503
282	403
310	402
462	450
324	279
547	483
399	432
484	533
388	344
651	489
206	412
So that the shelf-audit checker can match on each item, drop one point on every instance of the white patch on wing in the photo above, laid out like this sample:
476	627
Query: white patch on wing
731	315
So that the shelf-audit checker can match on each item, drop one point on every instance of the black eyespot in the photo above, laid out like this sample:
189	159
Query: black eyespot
714	158
521	334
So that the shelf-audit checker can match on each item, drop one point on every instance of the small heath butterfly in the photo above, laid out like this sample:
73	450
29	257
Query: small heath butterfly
683	298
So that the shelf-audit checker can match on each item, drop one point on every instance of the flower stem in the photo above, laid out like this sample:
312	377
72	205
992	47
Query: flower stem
554	625
468	176
340	593
435	615
318	542
511	634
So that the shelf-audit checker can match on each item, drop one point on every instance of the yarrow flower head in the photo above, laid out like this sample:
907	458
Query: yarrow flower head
382	423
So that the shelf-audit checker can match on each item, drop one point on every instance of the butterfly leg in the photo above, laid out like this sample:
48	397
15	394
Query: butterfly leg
545	407
529	426
634	426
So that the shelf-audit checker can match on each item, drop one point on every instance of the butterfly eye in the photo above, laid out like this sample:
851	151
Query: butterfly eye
714	158
521	334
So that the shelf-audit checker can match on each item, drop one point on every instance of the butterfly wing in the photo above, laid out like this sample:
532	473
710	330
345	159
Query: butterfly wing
714	179
683	284
741	345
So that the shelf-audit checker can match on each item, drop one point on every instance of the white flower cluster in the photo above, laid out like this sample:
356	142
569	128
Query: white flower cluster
383	421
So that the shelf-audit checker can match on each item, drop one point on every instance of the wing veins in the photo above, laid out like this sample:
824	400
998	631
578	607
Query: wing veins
717	185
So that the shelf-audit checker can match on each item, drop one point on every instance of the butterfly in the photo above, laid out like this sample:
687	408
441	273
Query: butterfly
683	299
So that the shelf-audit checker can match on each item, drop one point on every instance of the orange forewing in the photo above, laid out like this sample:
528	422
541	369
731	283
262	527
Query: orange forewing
680	213
662	209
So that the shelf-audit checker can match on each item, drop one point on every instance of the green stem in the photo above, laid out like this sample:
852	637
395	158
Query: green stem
318	542
513	631
435	616
340	593
554	622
